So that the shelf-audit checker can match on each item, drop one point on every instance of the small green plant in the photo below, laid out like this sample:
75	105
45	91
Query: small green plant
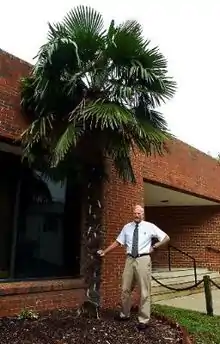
28	314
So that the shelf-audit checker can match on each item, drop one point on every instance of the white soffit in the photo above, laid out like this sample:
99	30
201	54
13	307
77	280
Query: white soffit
156	195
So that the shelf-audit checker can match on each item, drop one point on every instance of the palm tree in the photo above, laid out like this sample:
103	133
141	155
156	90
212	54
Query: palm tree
92	97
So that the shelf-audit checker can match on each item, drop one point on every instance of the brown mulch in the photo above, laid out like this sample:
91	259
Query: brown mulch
64	327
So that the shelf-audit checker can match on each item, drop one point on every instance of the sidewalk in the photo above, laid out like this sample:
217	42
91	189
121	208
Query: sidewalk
195	302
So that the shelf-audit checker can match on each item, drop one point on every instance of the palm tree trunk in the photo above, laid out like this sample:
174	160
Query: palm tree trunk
92	238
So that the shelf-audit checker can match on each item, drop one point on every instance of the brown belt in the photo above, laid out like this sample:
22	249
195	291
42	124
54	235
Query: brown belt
139	255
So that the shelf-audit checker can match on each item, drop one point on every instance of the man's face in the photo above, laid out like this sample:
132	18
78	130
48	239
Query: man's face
138	214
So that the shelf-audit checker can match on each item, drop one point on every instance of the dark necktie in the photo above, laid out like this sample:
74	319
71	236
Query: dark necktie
134	251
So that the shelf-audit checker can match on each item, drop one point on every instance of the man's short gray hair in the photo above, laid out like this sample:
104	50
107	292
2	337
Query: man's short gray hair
139	207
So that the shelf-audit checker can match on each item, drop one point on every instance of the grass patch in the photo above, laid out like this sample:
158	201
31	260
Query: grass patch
205	329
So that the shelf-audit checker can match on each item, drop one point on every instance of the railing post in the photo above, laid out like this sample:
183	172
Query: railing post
169	258
208	295
184	253
195	272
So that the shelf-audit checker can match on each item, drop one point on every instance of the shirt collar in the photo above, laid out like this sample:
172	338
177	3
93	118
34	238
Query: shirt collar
137	222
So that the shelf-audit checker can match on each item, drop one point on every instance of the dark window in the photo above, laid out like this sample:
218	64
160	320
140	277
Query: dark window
48	243
40	224
8	186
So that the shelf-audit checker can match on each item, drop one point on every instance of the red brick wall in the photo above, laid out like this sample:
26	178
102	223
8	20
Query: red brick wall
40	296
118	203
185	168
11	70
191	229
41	302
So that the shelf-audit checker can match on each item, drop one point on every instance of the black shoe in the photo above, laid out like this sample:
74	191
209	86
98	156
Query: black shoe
119	317
142	326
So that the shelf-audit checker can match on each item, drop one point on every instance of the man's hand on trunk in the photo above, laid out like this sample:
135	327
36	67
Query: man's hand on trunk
101	253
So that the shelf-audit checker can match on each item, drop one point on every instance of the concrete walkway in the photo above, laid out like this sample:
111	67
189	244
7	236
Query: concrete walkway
195	302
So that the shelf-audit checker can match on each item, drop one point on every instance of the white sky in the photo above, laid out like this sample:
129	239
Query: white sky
187	31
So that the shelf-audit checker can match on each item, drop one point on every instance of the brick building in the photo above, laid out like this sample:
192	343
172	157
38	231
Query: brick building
180	192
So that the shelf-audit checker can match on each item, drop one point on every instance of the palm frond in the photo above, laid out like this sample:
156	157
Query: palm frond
37	132
117	147
152	59
54	56
151	132
155	118
56	30
101	114
68	140
148	139
29	103
148	132
159	90
84	18
131	27
85	26
124	168
139	80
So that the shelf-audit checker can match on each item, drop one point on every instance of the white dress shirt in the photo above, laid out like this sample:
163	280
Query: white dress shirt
147	231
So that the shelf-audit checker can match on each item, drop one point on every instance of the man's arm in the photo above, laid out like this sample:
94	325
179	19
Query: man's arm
120	241
110	248
161	236
162	242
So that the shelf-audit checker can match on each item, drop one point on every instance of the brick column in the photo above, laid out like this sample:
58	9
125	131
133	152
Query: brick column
119	199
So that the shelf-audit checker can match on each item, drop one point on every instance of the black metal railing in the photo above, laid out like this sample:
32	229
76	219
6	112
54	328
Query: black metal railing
170	247
213	249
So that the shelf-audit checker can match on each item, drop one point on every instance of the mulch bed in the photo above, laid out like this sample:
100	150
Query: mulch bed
64	327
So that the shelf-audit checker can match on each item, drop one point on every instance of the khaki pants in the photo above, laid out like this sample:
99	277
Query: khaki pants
137	270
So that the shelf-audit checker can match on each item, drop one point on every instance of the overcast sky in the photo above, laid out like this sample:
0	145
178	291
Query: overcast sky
187	31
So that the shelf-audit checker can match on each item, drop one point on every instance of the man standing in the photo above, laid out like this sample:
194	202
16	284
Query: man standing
137	237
